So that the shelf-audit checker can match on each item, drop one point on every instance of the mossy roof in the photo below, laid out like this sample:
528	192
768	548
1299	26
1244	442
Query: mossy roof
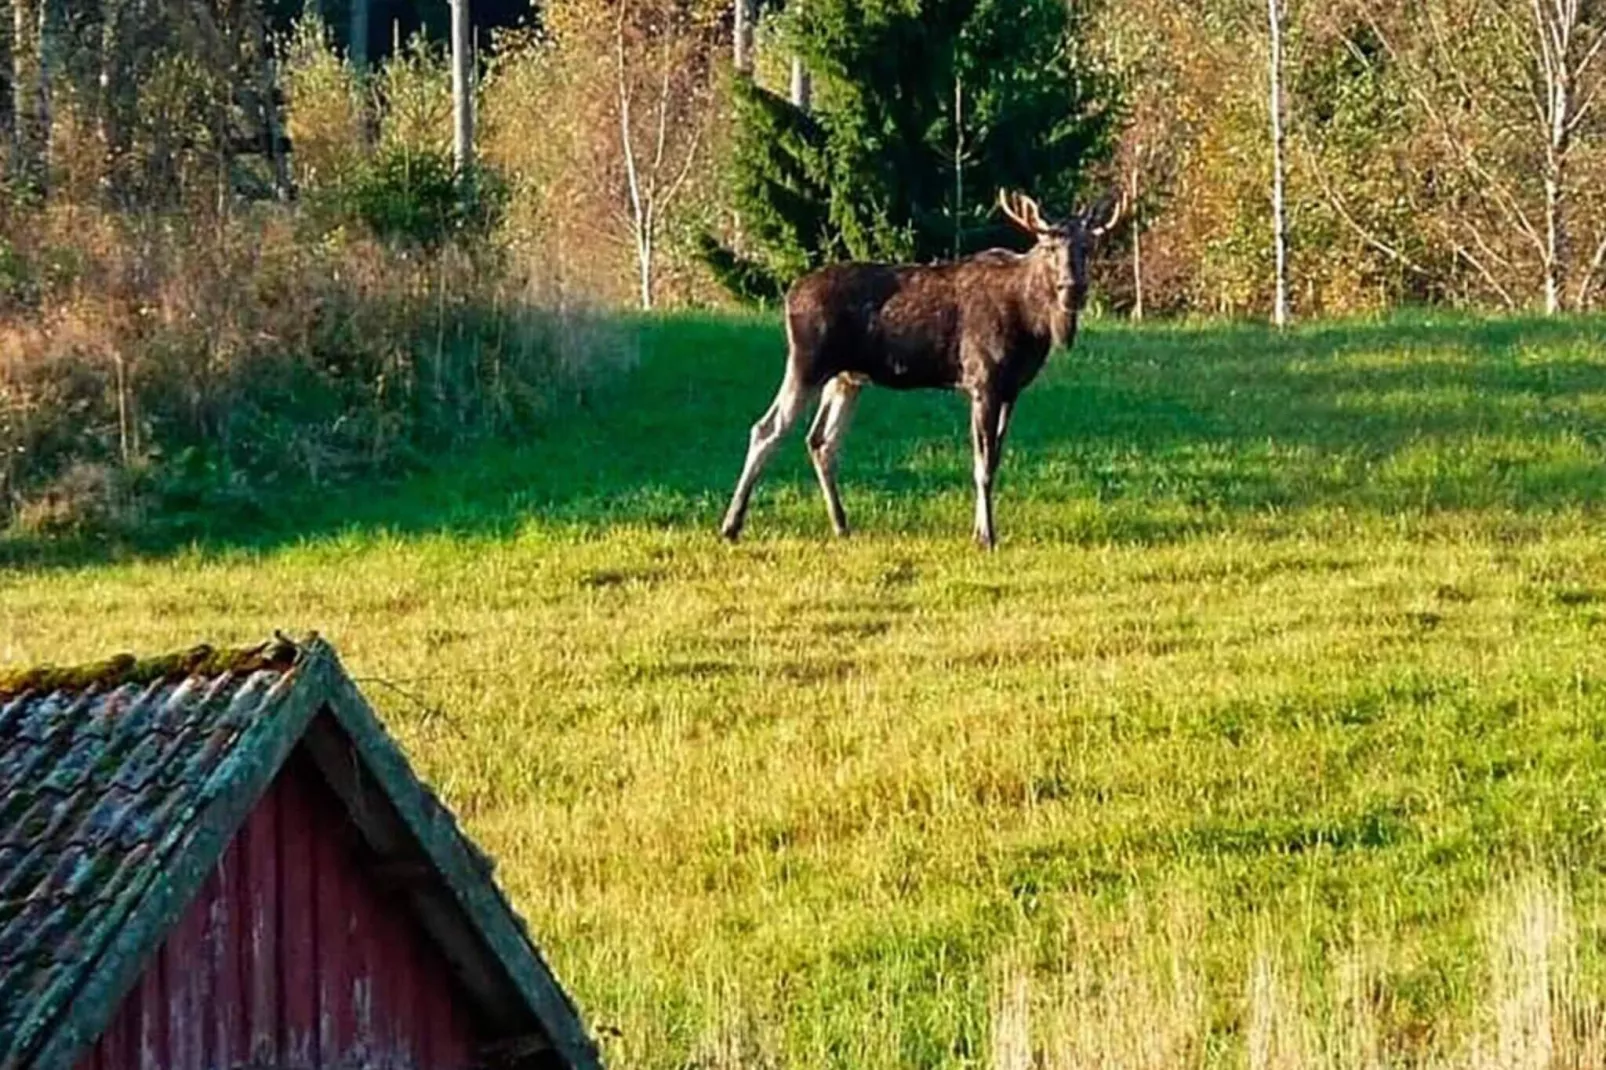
121	784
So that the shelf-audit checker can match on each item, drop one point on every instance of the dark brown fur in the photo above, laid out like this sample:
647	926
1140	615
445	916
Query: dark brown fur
983	325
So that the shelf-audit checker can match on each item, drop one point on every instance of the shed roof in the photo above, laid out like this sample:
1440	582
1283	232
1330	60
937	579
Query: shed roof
121	784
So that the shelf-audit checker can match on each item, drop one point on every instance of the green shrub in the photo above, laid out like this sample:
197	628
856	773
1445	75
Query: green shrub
414	198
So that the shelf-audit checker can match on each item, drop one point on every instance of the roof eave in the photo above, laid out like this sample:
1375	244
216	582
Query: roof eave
468	878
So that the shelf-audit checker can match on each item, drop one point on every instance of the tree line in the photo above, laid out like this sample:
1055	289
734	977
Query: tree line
1282	156
245	244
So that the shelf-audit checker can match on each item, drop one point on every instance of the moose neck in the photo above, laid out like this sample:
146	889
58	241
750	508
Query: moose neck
1050	312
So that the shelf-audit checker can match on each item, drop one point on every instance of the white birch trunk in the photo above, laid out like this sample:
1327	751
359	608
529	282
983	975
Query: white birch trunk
22	75
959	164
653	184
641	221
1555	229
742	37
1556	26
50	31
462	89
802	85
1137	246
1278	207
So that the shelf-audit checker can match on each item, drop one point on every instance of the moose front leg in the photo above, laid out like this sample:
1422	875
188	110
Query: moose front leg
788	405
988	415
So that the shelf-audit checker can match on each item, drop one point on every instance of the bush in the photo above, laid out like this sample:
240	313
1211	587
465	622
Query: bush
415	198
205	362
200	348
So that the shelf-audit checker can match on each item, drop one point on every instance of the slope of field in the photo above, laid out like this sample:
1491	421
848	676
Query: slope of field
1291	656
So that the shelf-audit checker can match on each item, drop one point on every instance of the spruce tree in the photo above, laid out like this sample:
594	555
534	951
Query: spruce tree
870	173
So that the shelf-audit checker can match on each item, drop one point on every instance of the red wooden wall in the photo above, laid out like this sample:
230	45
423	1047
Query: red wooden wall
292	956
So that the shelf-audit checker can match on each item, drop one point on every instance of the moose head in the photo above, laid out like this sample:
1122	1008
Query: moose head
1065	245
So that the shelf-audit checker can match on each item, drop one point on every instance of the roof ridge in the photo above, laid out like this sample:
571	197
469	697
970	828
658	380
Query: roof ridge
279	652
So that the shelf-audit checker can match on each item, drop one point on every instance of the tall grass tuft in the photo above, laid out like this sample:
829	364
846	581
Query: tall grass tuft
215	358
1541	1017
1138	1003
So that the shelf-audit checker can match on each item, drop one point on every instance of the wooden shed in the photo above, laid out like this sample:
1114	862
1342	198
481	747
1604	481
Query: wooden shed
220	859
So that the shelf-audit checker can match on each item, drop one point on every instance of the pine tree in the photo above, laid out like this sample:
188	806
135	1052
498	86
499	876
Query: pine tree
922	111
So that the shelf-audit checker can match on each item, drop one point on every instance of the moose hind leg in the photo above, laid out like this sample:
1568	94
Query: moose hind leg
789	404
825	442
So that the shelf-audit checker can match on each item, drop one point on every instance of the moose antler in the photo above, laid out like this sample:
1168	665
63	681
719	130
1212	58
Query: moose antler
1122	202
1022	211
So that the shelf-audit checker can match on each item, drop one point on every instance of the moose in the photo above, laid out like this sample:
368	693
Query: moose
983	325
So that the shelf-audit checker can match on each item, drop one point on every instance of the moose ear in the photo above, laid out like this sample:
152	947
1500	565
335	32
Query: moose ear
1103	217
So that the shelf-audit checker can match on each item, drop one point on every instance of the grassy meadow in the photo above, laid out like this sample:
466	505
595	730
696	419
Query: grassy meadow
1273	735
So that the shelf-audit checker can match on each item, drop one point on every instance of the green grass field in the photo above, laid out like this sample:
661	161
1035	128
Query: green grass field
1289	660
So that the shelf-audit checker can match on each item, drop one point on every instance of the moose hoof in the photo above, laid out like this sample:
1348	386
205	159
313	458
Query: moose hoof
731	530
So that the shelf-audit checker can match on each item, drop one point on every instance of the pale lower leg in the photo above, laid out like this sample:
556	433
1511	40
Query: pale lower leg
984	431
764	438
984	505
825	443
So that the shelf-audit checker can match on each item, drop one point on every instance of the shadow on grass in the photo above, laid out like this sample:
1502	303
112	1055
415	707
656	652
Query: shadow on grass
1145	434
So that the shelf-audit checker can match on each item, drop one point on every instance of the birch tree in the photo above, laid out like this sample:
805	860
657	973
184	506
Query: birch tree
462	90
1563	50
1507	93
1279	209
742	36
802	87
1145	48
662	84
32	51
